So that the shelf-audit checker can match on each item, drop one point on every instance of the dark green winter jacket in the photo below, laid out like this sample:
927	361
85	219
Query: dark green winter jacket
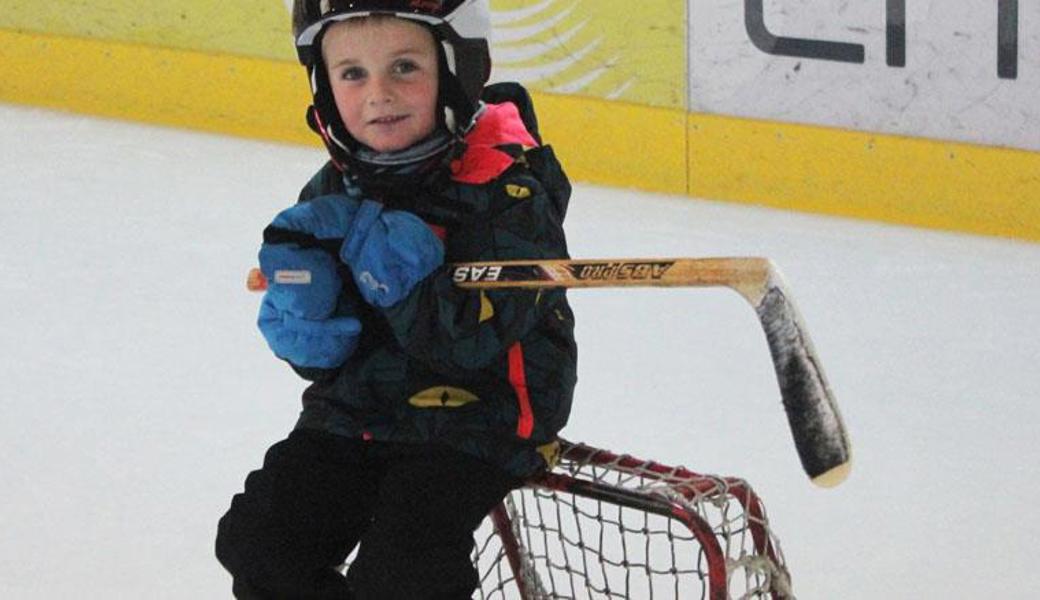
490	373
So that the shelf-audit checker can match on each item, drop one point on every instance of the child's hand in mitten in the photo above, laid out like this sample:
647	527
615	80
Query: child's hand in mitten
298	315
389	252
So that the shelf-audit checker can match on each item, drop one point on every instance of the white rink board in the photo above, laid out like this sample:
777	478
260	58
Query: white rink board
949	88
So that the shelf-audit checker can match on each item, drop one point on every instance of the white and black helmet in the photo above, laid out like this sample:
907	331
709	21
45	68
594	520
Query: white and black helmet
462	28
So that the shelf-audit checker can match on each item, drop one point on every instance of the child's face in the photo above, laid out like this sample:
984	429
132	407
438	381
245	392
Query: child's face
383	73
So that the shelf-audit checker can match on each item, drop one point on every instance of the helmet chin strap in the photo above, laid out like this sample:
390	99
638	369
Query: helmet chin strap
336	150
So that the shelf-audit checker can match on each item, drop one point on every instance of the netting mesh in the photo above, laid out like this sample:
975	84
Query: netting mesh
608	526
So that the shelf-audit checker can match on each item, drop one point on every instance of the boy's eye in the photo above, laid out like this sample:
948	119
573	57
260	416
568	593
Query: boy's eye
352	73
403	67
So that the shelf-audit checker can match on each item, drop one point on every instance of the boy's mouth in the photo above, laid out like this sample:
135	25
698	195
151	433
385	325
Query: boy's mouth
388	120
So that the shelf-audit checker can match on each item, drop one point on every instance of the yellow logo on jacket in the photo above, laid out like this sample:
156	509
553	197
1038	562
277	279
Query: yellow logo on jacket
520	192
443	397
550	453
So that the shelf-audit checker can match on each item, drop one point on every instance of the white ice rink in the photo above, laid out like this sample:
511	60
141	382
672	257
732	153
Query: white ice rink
137	392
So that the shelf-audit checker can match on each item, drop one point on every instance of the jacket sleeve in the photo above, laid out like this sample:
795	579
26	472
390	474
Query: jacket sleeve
449	328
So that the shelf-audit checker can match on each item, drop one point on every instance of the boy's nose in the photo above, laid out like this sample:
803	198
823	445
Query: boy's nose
379	92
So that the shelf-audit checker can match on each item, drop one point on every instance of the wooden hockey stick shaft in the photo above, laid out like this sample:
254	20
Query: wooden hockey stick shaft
816	425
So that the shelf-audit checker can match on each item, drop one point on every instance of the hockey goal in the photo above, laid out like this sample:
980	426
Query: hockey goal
602	525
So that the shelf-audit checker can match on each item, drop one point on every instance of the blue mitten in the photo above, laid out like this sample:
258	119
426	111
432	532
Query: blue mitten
324	344
297	315
389	252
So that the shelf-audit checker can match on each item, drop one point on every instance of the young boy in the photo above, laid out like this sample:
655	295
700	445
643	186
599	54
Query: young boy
428	403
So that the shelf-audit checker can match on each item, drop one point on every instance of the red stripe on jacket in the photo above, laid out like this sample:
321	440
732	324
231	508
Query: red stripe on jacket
517	378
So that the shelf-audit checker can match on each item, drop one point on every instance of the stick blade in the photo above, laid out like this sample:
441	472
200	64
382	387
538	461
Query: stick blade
812	412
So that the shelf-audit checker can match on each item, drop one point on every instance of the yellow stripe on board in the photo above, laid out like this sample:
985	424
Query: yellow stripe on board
237	95
615	143
911	181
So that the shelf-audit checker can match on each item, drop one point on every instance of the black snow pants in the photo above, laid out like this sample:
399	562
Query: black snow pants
413	510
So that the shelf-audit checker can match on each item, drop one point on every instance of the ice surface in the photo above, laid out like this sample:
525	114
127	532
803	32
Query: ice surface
137	393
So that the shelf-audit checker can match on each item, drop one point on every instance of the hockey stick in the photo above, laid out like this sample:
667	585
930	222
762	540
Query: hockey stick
812	412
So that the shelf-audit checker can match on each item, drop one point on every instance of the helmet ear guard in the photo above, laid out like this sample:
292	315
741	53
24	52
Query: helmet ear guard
461	83
471	66
323	118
